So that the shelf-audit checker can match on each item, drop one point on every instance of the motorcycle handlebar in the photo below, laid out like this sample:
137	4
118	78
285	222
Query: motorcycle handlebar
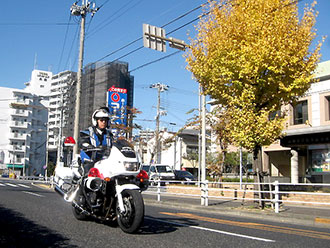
95	149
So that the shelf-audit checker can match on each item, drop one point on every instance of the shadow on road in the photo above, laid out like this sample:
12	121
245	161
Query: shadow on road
17	231
163	225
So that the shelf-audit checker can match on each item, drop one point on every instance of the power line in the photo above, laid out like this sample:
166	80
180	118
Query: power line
183	15
155	61
204	14
104	4
119	49
113	19
178	118
140	38
137	49
71	48
183	91
35	24
64	42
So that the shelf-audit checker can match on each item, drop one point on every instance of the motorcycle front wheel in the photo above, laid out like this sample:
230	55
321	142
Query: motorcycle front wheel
132	218
78	214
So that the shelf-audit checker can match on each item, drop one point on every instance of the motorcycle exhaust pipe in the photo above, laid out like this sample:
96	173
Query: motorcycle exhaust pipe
59	191
67	197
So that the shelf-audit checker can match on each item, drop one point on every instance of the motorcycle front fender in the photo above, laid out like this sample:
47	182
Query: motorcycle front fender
121	188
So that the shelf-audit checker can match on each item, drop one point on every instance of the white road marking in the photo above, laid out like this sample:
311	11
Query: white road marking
2	184
31	193
213	230
24	186
12	185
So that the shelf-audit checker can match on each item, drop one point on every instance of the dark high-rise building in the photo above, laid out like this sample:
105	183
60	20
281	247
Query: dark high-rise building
97	79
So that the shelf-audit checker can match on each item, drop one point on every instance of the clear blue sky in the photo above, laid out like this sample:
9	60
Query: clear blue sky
32	29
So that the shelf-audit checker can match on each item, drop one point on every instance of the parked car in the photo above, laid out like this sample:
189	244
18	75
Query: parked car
182	175
161	172
146	168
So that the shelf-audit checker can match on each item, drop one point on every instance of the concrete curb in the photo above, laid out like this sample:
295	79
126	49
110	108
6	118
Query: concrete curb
44	186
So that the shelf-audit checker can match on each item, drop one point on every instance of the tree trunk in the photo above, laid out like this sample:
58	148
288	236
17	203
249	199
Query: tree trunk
258	178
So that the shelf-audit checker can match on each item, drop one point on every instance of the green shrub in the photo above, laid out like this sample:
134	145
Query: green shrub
236	180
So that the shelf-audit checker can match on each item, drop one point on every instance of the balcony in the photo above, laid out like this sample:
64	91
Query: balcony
18	124
16	148
17	136
24	101
19	112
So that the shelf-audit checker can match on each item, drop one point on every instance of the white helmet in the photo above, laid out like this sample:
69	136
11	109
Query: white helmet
100	113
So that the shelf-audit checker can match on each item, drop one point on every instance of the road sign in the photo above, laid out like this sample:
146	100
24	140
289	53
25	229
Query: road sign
153	37
117	103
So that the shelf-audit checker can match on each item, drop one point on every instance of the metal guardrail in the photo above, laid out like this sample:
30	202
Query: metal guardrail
35	179
275	191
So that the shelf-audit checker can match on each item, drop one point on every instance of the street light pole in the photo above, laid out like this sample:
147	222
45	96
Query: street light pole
203	162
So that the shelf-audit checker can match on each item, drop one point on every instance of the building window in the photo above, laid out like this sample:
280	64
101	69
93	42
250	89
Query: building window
327	108
300	113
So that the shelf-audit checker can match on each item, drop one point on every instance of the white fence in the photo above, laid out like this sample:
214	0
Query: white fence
272	193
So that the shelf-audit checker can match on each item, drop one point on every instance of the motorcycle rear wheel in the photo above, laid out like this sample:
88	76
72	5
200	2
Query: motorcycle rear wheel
131	220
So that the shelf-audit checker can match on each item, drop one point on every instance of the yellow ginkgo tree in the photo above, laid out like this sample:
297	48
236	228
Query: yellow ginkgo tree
254	56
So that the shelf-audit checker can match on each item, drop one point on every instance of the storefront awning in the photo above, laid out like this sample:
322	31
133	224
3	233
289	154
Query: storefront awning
16	166
306	139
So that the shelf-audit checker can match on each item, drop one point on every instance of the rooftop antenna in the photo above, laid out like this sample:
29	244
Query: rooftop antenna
35	67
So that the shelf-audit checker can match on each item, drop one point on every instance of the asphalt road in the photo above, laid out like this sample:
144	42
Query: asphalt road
32	216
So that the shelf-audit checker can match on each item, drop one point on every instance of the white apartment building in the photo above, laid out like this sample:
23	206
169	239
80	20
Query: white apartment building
23	122
23	145
60	91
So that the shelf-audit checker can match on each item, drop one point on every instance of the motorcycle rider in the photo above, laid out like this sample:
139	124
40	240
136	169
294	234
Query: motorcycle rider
97	135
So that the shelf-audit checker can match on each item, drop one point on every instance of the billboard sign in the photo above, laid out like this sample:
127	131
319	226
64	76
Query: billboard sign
117	103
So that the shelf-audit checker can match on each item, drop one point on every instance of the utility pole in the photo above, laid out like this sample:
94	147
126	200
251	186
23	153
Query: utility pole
160	88
82	11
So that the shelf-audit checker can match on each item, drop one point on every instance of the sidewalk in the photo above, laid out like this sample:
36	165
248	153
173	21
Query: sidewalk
309	216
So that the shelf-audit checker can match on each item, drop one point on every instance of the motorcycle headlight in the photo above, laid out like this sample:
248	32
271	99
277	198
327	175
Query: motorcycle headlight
131	166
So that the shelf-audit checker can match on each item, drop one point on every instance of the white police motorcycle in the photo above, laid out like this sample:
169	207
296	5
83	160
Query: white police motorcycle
110	191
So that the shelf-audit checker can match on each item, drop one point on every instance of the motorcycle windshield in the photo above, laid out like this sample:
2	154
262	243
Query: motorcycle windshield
102	154
125	148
